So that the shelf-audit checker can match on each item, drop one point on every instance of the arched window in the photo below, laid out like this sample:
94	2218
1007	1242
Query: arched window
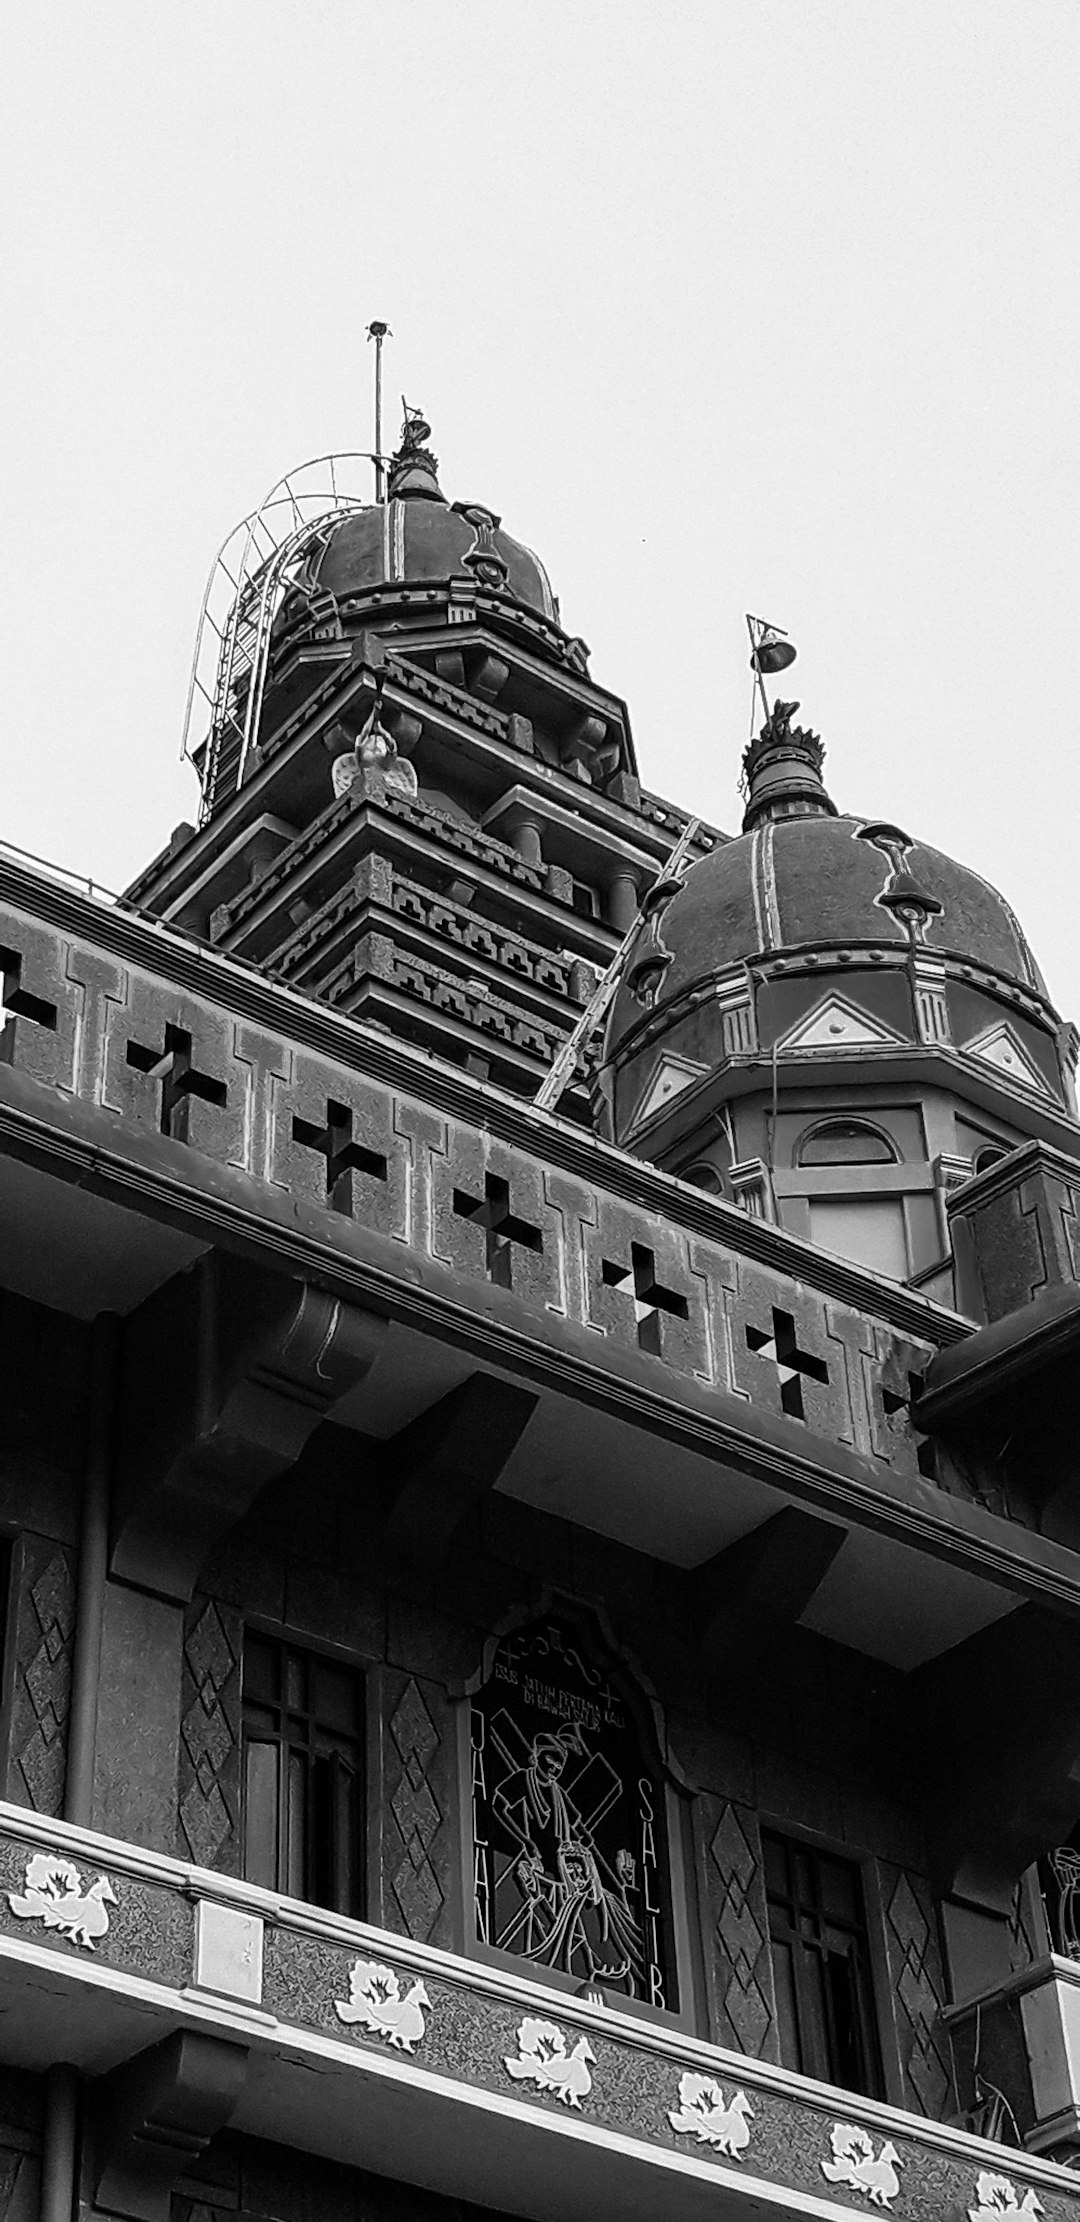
703	1175
991	1155
844	1142
568	1819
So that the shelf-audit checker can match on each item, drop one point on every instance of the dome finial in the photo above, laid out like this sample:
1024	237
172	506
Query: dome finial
414	469
782	770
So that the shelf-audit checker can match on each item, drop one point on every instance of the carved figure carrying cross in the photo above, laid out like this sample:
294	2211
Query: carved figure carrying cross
792	1364
334	1142
649	1297
180	1079
502	1227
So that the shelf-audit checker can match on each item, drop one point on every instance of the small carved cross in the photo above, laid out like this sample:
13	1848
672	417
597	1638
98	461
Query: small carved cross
792	1364
649	1296
180	1079
334	1142
15	998
503	1228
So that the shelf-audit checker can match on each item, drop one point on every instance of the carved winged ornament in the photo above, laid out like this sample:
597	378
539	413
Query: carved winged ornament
377	2002
53	1892
543	2059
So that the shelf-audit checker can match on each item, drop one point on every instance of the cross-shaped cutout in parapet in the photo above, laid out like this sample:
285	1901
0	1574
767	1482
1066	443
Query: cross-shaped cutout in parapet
179	1078
501	1226
16	999
792	1364
650	1298
335	1145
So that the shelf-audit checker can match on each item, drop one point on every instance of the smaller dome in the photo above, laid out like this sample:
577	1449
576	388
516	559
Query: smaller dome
813	934
821	883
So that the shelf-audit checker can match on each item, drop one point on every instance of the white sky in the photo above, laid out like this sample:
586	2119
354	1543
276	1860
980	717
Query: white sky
724	306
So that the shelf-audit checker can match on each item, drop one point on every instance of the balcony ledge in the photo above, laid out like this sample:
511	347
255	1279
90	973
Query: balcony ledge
179	1948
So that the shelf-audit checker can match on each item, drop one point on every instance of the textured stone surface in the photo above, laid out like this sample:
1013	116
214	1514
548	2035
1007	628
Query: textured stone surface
416	1878
44	1630
209	1758
917	1993
135	1762
635	2087
738	1971
151	1928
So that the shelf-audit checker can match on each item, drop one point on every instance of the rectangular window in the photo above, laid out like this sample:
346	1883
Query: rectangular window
821	1966
303	1775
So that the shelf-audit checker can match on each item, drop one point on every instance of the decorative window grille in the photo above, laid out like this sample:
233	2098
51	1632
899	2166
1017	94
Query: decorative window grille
821	1966
570	1860
303	1775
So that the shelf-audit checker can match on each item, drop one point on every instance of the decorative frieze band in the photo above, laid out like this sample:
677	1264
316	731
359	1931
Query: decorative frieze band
417	2025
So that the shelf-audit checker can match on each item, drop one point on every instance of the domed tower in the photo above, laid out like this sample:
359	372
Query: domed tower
833	1024
417	803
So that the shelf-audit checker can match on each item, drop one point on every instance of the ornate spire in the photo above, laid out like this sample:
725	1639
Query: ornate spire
414	469
782	770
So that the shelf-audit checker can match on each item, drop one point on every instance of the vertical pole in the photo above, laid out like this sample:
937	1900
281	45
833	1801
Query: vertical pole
93	1555
378	333
58	2153
759	681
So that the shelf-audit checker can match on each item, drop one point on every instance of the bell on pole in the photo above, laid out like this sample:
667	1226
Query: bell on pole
770	649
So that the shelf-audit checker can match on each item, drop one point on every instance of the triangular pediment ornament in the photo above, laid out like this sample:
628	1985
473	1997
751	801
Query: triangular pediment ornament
834	1023
1001	1046
669	1077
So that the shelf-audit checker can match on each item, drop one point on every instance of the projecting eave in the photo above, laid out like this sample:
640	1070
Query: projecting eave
941	1067
1039	1342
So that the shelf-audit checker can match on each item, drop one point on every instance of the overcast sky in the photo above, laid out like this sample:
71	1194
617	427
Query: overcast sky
723	306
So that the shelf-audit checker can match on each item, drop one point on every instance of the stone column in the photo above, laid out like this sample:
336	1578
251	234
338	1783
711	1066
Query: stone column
622	901
525	838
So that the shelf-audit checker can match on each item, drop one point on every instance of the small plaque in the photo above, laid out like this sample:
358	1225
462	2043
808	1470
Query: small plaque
228	1951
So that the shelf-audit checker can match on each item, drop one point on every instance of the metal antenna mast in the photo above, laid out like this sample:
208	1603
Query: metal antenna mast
569	1056
379	332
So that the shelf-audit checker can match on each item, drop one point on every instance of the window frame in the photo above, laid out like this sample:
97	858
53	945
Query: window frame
876	1973
336	1656
840	1119
685	1920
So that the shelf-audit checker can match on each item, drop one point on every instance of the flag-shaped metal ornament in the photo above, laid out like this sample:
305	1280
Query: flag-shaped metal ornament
770	650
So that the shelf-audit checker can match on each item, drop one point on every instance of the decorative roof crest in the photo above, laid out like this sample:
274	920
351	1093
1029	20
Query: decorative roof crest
414	470
782	771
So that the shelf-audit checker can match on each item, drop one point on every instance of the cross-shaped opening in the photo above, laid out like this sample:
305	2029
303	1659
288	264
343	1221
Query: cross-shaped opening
17	999
893	1401
502	1227
792	1364
649	1296
179	1078
334	1143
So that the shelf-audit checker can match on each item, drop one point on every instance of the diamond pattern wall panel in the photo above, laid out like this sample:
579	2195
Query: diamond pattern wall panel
416	1832
736	1930
209	1773
44	1633
917	1988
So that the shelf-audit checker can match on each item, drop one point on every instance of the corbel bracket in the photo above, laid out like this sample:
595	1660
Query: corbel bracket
226	1373
446	1461
741	1600
156	2113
